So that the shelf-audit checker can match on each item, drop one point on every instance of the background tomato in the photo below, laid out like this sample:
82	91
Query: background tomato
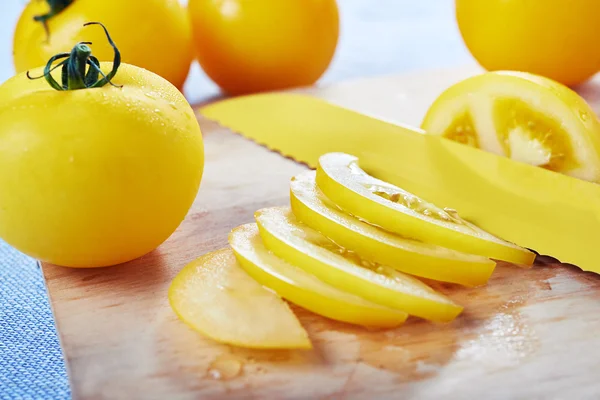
250	46
152	34
554	38
98	176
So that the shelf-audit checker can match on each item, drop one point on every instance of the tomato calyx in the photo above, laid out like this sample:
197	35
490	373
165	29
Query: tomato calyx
56	7
74	75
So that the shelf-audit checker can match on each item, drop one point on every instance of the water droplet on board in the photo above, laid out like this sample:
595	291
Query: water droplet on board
225	367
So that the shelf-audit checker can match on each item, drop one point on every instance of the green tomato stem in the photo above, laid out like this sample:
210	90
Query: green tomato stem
74	64
56	7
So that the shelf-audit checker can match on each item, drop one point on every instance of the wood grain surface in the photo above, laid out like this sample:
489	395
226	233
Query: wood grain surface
528	334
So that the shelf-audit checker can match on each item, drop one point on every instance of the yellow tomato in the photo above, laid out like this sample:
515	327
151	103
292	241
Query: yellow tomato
97	176
413	257
154	35
309	250
553	38
250	46
214	296
380	203
522	116
304	289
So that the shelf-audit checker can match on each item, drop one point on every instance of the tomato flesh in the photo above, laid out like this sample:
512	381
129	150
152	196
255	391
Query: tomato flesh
306	248
214	296
304	289
372	243
396	210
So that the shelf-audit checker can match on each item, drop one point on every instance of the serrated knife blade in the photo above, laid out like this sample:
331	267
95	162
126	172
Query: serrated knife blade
548	212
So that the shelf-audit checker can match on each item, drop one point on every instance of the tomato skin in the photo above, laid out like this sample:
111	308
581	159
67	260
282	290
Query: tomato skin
155	36
95	177
553	38
260	45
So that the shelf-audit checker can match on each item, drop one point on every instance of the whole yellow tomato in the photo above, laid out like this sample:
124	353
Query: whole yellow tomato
554	38
152	34
250	46
95	176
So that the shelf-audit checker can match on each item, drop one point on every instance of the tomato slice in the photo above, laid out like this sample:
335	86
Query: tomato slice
306	248
526	117
215	297
380	203
372	243
304	289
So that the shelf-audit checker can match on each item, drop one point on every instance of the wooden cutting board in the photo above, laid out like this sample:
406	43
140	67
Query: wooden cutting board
529	334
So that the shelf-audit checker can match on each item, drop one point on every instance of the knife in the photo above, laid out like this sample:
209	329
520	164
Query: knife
550	213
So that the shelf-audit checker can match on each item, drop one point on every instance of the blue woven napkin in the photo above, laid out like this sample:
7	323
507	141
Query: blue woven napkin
31	361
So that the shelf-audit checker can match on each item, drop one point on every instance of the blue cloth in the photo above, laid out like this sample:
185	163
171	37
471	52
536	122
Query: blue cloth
31	362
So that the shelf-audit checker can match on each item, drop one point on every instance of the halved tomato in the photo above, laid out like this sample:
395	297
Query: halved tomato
526	117
380	203
306	248
304	289
411	256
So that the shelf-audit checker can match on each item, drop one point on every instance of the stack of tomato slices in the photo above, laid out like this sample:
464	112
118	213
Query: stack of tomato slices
351	248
